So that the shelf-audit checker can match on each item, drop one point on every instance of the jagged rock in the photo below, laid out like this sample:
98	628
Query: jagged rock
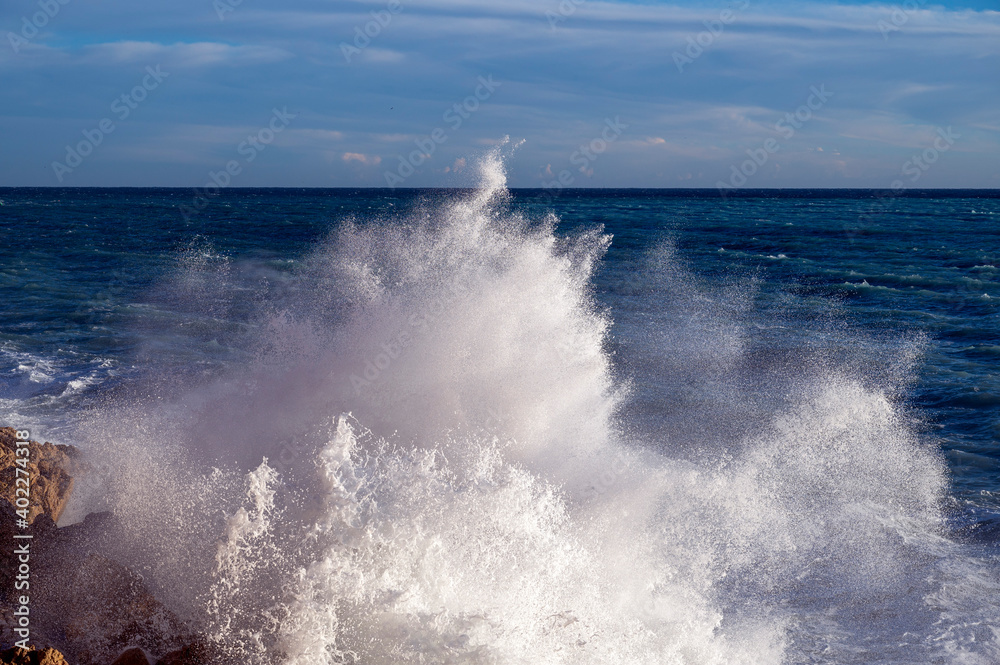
18	656
49	469
134	656
109	608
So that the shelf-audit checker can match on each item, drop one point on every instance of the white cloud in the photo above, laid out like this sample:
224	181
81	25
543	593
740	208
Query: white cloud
607	59
361	158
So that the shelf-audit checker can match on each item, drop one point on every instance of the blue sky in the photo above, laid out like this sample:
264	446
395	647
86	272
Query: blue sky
602	94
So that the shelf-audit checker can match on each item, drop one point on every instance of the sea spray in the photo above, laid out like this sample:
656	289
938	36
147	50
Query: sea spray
247	548
489	497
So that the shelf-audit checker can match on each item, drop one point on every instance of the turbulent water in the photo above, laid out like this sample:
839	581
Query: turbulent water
458	428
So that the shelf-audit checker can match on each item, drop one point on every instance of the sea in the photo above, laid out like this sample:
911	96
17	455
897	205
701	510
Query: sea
528	426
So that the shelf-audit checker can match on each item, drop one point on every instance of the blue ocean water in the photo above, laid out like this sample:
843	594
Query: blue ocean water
721	311
80	269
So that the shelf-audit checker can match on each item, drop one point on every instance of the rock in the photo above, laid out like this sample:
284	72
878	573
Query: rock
192	654
98	532
92	607
134	656
41	530
49	469
51	657
18	656
49	472
109	609
8	528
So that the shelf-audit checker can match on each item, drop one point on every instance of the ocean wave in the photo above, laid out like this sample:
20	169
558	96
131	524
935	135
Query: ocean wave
426	457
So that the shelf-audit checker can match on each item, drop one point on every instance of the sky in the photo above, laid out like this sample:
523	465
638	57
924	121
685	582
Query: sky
409	93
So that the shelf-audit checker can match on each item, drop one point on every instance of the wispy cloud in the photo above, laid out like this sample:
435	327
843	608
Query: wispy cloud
361	158
178	54
607	59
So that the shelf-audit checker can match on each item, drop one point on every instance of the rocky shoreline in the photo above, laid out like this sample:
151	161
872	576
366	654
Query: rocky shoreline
85	609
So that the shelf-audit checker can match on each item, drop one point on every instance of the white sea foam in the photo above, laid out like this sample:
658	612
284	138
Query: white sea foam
448	477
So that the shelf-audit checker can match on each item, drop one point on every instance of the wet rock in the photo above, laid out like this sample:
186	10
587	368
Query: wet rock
109	609
42	532
89	606
50	485
192	654
18	656
134	656
98	532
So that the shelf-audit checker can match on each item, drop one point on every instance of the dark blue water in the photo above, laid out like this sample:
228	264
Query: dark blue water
80	269
721	309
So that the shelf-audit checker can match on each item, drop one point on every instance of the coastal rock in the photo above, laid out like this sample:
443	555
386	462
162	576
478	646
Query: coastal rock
96	610
192	654
7	635
134	656
109	609
49	469
41	530
18	656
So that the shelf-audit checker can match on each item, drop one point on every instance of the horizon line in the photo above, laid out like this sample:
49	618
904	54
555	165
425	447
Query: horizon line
734	190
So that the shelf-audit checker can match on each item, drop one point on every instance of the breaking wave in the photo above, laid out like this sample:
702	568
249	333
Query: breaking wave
429	458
